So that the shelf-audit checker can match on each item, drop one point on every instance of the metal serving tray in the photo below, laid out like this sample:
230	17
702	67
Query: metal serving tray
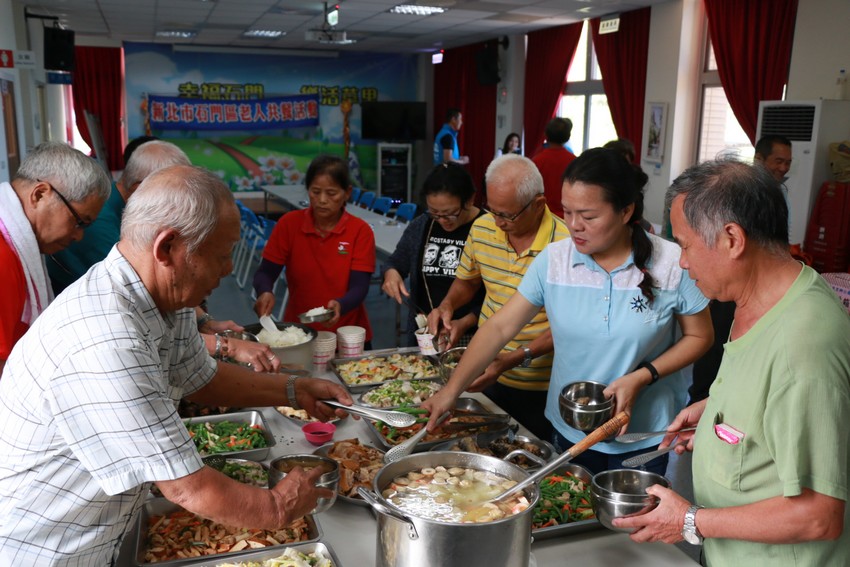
462	404
362	402
357	388
161	506
324	450
263	555
573	527
483	440
251	418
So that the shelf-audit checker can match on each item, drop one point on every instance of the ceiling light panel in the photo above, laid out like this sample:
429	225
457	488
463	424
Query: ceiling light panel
263	34
416	10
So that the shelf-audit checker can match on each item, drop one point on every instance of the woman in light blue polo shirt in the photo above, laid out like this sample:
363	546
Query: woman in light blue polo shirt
621	310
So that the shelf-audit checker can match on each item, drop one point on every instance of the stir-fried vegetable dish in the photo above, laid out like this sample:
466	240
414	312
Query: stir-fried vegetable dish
564	498
225	436
289	558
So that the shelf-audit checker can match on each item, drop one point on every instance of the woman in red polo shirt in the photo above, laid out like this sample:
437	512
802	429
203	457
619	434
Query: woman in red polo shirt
329	254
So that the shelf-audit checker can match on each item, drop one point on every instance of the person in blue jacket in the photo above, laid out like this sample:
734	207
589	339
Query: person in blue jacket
445	144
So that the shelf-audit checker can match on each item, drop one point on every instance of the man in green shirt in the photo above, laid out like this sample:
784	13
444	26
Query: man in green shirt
771	464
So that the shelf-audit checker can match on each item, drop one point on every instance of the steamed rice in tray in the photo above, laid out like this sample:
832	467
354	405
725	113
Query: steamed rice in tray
290	336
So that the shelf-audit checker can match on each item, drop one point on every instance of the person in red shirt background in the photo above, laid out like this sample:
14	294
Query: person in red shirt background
553	160
329	255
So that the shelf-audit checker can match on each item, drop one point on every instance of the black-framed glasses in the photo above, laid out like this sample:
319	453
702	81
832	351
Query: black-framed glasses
507	217
80	222
449	217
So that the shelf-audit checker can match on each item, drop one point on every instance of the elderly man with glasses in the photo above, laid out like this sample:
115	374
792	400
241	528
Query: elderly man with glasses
56	193
499	250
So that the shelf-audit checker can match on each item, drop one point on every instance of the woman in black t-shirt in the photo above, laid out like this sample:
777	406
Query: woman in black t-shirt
430	248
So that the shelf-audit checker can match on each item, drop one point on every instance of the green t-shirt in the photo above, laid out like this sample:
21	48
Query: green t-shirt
785	385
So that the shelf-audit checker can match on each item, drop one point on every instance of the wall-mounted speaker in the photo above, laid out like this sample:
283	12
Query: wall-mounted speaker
58	49
487	65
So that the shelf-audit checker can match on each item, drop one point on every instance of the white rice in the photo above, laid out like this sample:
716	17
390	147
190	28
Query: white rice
315	311
290	336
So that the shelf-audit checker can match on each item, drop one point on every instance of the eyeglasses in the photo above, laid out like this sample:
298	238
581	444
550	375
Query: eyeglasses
80	222
507	217
449	217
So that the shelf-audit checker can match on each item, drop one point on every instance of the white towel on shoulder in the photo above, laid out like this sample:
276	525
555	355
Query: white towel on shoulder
16	229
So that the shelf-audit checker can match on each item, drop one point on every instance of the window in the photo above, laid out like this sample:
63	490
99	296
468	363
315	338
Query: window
719	132
584	101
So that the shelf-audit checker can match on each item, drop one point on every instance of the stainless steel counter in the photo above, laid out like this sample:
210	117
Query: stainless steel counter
350	530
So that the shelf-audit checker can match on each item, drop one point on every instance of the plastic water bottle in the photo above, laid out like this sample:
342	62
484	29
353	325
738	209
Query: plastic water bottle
840	90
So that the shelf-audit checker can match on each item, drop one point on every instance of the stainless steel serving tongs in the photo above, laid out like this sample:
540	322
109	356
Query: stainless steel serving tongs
394	418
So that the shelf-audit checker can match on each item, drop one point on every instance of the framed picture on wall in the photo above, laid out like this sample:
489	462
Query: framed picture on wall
656	120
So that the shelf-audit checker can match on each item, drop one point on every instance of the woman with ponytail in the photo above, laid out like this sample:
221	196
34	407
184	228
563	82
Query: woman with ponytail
614	295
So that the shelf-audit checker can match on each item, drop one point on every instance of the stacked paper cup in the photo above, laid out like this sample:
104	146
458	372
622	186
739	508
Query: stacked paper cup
324	348
350	340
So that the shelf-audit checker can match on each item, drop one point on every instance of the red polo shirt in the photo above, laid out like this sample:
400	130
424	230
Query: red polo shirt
12	300
318	268
552	161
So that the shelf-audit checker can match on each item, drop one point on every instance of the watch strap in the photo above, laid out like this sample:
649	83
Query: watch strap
529	356
655	375
690	525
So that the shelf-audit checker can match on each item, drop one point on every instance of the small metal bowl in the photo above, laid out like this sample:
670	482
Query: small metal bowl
280	467
319	318
449	360
622	493
583	406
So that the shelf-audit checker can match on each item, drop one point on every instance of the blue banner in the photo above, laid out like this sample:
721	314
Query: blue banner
181	113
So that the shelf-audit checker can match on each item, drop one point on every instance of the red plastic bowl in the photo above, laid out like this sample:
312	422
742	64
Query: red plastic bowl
319	433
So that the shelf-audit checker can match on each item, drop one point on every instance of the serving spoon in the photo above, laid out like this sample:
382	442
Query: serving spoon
405	448
268	324
634	437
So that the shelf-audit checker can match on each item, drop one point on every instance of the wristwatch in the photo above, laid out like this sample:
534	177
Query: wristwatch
689	530
529	356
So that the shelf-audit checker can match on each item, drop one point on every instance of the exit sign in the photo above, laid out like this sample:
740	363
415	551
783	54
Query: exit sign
610	25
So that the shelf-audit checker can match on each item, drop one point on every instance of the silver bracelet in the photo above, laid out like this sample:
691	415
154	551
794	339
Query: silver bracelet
290	392
217	353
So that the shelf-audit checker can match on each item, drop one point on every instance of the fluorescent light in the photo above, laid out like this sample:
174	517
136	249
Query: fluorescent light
416	10
180	34
263	34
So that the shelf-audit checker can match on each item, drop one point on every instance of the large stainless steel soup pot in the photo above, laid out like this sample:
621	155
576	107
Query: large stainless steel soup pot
405	540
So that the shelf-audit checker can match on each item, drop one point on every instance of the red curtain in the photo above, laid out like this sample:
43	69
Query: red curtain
752	45
548	57
98	87
622	59
456	86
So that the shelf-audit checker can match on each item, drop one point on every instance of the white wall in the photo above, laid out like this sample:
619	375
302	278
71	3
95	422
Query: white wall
821	48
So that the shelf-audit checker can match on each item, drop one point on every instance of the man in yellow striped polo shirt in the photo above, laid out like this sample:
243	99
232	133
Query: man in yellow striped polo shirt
500	248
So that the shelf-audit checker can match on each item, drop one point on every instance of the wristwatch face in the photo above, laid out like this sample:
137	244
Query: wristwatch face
690	537
526	362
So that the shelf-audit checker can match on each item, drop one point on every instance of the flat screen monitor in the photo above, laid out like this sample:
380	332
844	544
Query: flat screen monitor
393	121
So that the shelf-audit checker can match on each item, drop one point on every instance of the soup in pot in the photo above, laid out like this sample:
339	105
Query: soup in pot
454	495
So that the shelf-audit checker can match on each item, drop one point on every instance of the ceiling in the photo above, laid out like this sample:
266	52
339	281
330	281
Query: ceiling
221	22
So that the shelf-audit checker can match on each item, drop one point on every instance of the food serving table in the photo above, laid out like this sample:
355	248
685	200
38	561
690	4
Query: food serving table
351	530
387	231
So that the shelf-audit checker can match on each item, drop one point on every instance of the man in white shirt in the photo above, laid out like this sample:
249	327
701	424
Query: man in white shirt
88	396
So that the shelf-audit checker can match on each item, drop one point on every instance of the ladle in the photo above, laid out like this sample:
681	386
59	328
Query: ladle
601	433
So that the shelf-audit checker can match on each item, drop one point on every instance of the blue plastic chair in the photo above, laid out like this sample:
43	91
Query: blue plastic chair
367	199
355	195
382	205
406	211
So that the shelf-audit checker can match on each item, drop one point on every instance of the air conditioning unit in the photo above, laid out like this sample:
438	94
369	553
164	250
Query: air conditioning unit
811	126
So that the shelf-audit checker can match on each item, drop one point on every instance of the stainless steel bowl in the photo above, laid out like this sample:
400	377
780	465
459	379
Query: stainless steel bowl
621	493
242	336
449	360
279	468
583	406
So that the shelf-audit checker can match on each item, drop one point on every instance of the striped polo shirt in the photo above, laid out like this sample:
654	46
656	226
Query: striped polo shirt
488	255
